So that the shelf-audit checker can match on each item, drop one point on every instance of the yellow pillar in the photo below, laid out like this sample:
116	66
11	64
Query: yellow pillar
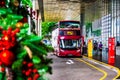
90	48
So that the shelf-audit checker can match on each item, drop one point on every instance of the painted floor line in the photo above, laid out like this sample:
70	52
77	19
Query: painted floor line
105	73
117	70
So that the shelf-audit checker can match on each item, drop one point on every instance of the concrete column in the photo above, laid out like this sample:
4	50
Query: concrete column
41	8
82	16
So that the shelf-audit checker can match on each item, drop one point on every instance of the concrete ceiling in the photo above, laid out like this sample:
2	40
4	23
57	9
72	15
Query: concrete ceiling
55	10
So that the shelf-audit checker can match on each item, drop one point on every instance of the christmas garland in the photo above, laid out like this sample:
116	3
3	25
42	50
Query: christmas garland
22	56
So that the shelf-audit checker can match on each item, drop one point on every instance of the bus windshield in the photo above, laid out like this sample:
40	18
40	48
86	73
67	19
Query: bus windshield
69	44
74	24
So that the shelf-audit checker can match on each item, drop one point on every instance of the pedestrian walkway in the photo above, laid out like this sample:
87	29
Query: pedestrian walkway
104	57
105	67
117	61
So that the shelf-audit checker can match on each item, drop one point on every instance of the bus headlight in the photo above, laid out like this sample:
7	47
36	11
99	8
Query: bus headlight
78	50
62	50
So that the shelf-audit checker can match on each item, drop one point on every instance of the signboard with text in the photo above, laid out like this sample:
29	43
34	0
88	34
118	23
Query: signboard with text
111	51
69	33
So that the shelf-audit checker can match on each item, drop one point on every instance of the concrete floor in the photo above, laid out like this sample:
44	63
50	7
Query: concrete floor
77	69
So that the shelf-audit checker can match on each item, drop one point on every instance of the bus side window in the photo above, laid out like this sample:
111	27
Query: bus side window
80	43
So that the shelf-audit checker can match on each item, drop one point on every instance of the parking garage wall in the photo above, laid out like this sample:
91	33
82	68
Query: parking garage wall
108	11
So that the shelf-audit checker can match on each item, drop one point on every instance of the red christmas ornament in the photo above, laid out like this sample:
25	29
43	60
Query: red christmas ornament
23	71
1	45
7	57
1	63
35	70
4	32
2	3
30	70
24	62
3	69
24	20
36	76
6	38
9	30
27	73
17	30
29	78
30	64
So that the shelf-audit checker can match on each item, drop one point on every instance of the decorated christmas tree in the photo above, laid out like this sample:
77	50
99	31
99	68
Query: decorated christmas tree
22	56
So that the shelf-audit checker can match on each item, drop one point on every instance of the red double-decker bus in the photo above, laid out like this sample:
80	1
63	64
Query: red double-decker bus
66	39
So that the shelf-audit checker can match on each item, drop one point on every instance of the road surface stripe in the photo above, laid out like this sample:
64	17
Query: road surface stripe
105	73
117	70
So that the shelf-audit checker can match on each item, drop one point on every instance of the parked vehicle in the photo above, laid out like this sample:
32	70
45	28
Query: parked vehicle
67	41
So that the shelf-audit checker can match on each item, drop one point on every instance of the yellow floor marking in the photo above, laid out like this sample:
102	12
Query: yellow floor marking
105	73
118	74
118	70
